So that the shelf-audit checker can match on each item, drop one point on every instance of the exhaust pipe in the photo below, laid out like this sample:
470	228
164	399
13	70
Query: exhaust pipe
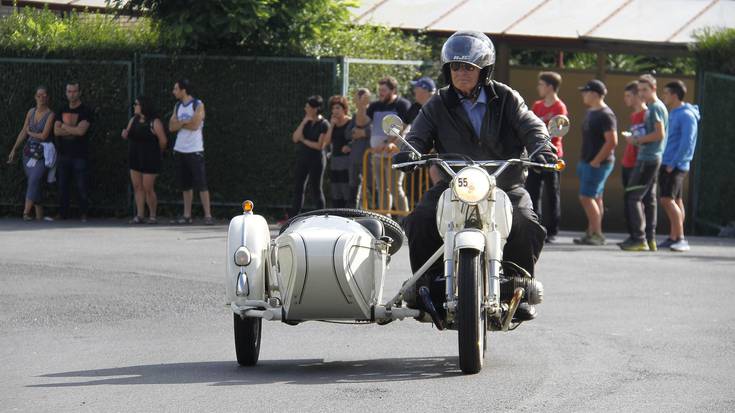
512	307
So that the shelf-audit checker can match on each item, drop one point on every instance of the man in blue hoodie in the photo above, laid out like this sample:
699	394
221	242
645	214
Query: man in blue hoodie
681	141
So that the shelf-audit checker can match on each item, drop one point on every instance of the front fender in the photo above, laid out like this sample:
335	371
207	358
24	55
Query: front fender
251	231
470	238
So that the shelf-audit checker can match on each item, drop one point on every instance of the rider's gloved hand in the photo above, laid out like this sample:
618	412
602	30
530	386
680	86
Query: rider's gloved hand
403	157
545	157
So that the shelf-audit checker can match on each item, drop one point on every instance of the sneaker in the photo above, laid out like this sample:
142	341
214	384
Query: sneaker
590	239
681	245
181	221
632	244
667	243
551	239
152	221
83	219
208	221
652	245
136	220
581	240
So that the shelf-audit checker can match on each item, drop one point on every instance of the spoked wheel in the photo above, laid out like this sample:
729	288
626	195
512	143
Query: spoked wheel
247	339
471	317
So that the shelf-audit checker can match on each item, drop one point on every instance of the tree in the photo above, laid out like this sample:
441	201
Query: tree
265	27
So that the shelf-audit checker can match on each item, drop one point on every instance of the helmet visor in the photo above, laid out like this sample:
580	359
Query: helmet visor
468	49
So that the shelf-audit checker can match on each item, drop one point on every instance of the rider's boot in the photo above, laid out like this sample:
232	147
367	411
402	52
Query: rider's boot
525	312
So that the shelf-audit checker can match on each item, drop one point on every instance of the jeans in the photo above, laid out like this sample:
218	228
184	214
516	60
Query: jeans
66	170
641	199
549	197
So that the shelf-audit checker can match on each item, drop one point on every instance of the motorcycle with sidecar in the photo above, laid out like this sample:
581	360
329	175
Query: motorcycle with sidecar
330	265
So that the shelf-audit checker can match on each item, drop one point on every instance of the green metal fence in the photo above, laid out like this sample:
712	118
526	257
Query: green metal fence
714	179
252	107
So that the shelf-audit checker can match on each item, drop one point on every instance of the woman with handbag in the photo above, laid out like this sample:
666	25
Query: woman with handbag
147	142
36	130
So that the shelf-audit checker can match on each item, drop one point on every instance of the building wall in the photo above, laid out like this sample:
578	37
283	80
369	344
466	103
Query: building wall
573	218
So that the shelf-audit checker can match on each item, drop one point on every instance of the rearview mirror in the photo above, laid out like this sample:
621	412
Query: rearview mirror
390	123
558	125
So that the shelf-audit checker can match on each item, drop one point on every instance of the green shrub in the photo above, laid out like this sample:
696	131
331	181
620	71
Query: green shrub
43	33
715	50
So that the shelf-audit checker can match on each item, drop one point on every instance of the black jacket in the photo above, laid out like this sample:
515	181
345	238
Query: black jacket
508	130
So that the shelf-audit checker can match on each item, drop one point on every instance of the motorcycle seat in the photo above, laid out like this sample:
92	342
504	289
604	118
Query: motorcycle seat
373	225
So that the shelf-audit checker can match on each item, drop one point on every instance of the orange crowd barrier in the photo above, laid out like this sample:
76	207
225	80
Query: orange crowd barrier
381	184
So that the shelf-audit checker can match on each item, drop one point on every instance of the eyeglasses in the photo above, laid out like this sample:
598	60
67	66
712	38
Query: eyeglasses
456	66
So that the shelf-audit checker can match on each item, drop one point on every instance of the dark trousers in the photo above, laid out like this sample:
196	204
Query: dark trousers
309	168
66	170
549	197
626	172
524	244
641	199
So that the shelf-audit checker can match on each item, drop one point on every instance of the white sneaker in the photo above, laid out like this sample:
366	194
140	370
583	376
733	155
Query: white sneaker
680	246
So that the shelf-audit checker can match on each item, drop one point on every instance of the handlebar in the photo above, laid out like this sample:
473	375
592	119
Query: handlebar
500	164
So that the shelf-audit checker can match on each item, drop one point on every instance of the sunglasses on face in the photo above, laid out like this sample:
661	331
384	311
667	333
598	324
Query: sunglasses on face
456	66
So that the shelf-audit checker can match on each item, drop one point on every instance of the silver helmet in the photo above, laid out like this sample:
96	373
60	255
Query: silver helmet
472	47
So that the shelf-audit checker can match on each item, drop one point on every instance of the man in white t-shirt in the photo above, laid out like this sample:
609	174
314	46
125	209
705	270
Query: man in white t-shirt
187	120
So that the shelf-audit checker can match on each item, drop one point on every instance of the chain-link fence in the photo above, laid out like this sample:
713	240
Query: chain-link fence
714	181
106	86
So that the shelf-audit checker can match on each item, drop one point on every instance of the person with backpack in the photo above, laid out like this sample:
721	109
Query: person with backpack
187	120
147	142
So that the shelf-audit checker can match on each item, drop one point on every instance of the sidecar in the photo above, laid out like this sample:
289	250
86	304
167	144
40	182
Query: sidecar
324	265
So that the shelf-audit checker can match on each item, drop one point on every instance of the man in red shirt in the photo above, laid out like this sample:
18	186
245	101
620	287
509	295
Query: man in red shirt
545	108
637	128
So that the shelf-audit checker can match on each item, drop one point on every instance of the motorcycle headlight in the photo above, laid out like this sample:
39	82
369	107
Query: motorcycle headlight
242	256
472	184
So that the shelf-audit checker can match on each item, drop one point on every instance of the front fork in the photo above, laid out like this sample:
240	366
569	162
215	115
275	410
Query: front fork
493	256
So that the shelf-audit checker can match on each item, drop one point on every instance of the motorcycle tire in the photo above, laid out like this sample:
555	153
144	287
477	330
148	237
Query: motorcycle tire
472	327
392	229
247	339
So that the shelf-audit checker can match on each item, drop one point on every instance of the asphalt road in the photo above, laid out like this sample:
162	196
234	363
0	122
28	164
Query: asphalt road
107	317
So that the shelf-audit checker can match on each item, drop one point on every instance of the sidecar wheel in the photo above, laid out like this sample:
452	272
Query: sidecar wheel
247	339
471	319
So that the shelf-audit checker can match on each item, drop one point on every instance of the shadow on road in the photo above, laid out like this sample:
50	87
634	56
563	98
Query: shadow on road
304	372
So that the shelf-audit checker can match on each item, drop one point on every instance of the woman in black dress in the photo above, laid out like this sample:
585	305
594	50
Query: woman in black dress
147	142
309	138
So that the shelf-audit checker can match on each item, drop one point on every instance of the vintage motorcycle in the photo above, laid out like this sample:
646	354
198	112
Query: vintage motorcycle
331	264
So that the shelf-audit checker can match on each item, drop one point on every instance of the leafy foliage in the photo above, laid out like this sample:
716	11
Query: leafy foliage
715	50
29	31
263	27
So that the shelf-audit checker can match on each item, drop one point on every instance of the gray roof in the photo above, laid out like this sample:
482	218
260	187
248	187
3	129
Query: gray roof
651	21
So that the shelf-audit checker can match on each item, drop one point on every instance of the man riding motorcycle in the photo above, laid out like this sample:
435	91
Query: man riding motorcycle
481	118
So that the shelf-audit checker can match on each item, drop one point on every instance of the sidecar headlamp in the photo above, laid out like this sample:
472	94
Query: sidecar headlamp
242	256
472	184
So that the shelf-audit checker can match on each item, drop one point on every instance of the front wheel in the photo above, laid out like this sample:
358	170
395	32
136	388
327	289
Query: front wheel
247	339
470	315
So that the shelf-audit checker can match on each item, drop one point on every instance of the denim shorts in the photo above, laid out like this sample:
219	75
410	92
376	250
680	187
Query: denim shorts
591	179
